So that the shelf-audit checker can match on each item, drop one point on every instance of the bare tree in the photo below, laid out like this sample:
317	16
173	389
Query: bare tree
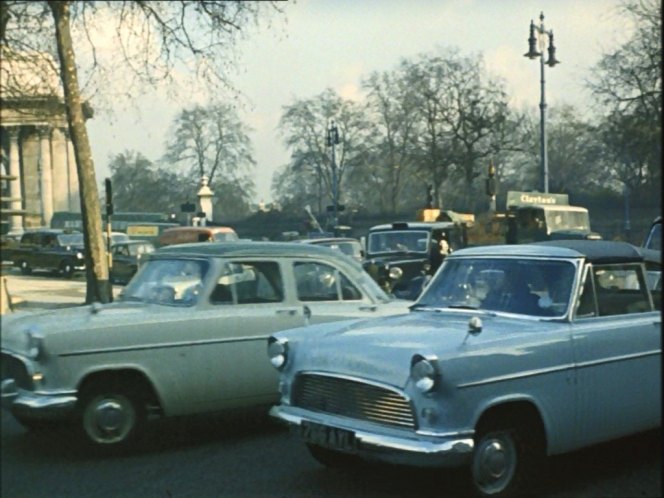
212	141
392	103
627	83
304	124
152	39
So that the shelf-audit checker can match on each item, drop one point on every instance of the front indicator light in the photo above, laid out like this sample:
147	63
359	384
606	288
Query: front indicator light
423	373
277	351
35	344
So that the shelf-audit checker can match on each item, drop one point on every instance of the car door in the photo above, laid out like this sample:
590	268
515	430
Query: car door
329	293
121	262
50	253
227	360
617	344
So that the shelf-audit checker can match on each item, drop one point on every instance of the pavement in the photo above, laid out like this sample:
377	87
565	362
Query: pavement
40	291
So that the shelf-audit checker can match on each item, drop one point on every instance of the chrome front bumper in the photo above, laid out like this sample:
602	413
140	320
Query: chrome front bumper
36	405
426	450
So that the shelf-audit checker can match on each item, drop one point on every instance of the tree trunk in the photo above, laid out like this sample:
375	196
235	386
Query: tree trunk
96	265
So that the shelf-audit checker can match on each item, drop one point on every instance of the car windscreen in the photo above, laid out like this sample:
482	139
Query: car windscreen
171	282
350	248
225	237
70	239
398	241
533	287
654	240
567	220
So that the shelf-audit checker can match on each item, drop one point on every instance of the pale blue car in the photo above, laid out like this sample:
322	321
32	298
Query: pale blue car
511	353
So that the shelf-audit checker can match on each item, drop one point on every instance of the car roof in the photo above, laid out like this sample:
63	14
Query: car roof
52	231
551	207
132	242
324	240
211	228
251	249
596	251
410	225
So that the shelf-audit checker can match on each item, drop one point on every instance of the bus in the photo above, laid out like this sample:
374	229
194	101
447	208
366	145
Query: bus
119	220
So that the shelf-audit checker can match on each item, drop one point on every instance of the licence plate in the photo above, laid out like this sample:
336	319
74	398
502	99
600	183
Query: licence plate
328	437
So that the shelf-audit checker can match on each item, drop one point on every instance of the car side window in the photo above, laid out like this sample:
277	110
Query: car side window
249	283
621	289
321	282
586	306
316	281
348	291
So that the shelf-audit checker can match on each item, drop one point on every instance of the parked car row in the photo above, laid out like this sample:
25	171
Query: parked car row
512	353
61	250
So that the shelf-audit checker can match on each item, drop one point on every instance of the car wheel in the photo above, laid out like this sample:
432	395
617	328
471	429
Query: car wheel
25	268
507	460
331	458
111	416
67	269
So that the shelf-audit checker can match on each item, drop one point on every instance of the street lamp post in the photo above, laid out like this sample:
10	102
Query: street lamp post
535	42
332	140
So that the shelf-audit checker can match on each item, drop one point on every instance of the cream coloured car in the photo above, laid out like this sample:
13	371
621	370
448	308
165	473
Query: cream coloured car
186	336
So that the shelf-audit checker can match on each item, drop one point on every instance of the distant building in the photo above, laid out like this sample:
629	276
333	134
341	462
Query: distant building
38	163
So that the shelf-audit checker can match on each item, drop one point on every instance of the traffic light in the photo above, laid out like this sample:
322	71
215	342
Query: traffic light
109	197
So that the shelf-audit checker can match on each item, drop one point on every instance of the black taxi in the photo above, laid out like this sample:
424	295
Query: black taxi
400	256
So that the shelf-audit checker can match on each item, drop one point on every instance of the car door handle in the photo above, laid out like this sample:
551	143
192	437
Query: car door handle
287	312
373	307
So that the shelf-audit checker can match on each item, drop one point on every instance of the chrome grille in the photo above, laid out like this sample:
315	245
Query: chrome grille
352	398
13	368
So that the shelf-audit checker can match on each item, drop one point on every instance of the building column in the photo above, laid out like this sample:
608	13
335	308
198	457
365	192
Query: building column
60	171
46	174
16	220
74	200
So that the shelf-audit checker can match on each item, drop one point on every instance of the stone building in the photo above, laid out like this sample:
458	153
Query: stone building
38	163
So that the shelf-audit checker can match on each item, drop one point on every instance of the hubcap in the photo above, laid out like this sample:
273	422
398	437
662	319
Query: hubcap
494	463
108	420
110	416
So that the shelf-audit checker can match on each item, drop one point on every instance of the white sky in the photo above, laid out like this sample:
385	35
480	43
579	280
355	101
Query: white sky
335	43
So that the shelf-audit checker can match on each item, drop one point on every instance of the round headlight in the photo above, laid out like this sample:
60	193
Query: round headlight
79	255
396	273
423	373
277	351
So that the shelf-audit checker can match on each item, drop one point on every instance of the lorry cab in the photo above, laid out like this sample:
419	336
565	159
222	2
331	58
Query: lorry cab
533	217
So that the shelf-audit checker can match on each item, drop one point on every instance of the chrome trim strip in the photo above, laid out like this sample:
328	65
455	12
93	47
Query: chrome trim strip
165	346
521	375
360	380
543	371
615	359
456	434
